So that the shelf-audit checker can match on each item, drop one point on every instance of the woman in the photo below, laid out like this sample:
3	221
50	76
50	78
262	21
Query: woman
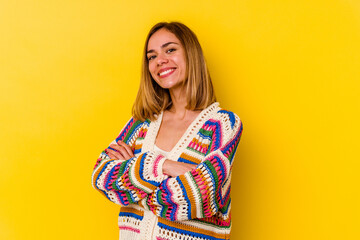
170	167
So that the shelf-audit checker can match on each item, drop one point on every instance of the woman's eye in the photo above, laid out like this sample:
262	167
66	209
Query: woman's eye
171	50
151	57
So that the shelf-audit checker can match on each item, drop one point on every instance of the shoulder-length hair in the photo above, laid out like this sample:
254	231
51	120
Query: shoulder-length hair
151	99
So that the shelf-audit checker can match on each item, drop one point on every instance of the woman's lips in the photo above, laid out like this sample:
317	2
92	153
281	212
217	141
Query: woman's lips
166	73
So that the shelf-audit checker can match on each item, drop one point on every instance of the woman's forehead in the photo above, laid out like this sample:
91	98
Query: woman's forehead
161	37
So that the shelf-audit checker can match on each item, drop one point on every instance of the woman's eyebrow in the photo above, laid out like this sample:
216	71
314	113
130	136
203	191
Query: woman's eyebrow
162	46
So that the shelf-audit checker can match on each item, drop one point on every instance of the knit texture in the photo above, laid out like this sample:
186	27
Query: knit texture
193	206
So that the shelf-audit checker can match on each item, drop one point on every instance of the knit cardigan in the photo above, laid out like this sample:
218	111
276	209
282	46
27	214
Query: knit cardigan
192	206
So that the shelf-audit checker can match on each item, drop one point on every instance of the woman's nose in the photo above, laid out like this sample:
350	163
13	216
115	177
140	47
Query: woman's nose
161	59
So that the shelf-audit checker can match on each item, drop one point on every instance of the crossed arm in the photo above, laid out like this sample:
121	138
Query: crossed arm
125	177
190	191
122	151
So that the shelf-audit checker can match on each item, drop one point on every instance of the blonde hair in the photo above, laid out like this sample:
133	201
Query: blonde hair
152	99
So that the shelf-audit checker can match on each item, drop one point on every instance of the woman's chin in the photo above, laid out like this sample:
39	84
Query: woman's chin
170	84
167	85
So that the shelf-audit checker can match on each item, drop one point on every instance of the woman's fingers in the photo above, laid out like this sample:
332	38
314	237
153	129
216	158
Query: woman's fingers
114	154
191	166
115	147
174	169
127	148
122	151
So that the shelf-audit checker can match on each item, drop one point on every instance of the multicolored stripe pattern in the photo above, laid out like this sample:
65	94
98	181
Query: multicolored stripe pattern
196	204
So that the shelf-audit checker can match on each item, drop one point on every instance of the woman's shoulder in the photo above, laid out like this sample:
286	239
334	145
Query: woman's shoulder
228	122
226	116
131	126
230	125
224	125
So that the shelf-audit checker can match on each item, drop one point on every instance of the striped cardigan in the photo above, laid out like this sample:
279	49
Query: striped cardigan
192	206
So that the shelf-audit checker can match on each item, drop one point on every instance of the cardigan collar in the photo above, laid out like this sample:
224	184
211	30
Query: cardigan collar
188	136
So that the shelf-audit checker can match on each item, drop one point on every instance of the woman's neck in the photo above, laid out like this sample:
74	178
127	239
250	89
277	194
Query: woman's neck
179	102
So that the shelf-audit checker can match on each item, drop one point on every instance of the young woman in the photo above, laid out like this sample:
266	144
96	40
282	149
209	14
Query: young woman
170	166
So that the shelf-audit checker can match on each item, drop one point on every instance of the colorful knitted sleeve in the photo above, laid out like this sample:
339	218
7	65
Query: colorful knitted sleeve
204	191
128	181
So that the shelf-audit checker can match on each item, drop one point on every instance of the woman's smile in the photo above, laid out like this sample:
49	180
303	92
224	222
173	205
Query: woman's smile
166	72
166	59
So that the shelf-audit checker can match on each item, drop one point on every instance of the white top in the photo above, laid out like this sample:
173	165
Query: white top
163	152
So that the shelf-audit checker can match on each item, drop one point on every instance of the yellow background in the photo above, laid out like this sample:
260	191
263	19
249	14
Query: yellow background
69	73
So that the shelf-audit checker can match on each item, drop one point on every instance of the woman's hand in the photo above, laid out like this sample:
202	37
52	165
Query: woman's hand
123	151
174	169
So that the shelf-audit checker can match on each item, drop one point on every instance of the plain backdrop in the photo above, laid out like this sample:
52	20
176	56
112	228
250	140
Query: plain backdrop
69	73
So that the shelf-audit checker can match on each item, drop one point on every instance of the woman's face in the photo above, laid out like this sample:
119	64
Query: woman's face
166	56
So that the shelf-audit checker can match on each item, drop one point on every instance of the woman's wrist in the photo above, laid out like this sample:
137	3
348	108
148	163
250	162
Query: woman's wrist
164	167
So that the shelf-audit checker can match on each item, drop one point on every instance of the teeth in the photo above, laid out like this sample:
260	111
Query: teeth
166	72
